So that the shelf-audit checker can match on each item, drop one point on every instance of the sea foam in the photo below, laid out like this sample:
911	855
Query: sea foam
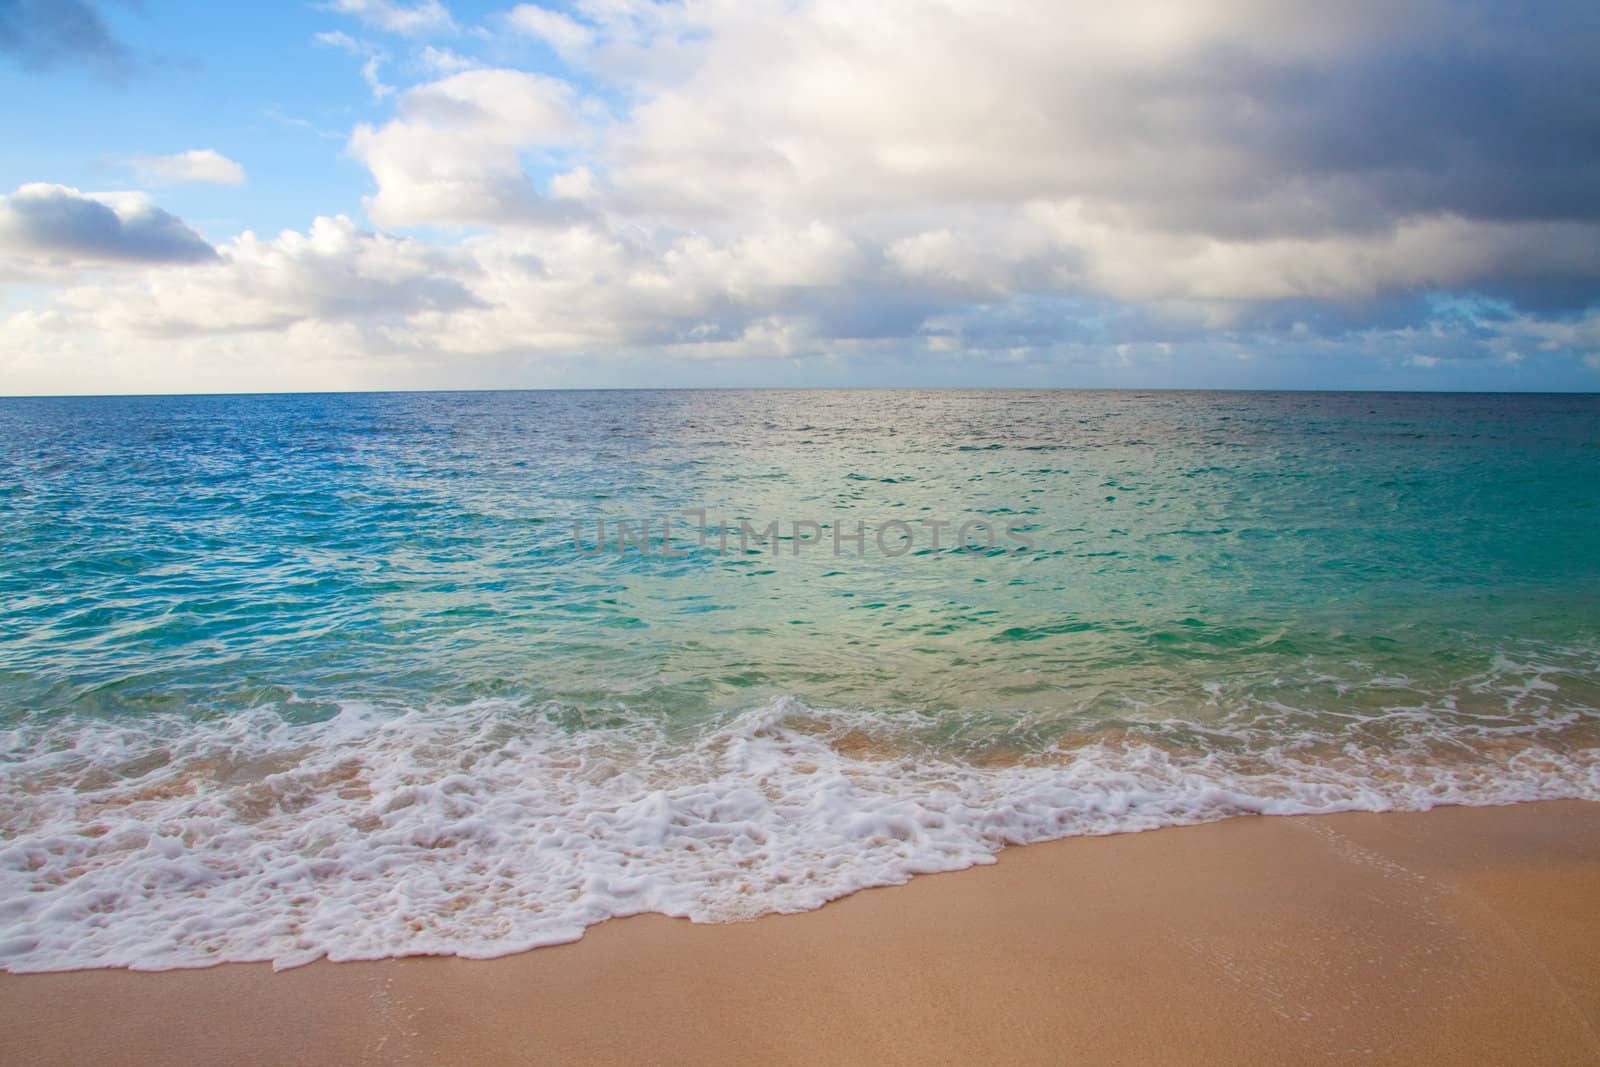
489	828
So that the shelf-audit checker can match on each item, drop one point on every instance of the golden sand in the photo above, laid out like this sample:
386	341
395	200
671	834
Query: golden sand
1453	937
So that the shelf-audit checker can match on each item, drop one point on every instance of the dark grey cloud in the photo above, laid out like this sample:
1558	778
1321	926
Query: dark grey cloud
1495	118
1508	134
40	34
59	225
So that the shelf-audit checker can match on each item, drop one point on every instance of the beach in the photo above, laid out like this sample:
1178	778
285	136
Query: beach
1459	935
800	532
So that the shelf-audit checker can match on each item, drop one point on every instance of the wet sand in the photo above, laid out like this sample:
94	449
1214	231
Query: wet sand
1463	935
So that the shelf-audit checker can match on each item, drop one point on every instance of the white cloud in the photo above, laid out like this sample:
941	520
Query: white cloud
333	273
372	59
563	33
1164	113
340	39
444	61
576	184
42	353
372	74
586	291
1163	151
454	155
278	115
538	290
1580	333
1234	119
415	19
1427	252
201	165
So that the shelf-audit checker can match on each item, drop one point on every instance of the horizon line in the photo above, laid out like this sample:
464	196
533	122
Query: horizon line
805	389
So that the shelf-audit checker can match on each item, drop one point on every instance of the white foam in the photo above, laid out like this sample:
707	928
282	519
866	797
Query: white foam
487	829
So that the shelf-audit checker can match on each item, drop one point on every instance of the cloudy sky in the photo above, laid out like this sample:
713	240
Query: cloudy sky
360	194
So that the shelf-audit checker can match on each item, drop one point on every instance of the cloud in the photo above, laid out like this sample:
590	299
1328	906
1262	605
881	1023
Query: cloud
334	272
454	155
201	165
372	57
1236	119
40	34
1412	186
531	290
1422	252
412	20
563	297
1210	161
442	61
1229	151
277	114
53	226
564	34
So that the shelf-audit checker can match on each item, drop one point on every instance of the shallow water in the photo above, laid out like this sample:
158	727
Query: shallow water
283	677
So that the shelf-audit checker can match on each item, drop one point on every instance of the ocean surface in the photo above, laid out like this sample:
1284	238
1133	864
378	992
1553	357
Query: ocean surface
358	676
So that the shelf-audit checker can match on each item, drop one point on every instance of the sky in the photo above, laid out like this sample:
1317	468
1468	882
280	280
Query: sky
400	194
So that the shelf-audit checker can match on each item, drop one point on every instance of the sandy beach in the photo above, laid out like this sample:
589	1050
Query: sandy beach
1462	935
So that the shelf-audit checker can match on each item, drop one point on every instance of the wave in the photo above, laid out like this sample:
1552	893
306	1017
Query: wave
490	828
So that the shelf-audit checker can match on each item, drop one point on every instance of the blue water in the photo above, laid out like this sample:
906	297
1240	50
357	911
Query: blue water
361	669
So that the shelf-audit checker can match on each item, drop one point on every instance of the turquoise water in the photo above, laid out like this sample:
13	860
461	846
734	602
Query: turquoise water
290	676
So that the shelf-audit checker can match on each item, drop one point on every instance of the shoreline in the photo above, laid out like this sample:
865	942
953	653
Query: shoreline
1457	935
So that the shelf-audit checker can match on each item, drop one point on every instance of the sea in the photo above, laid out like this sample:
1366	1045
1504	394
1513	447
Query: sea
369	675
